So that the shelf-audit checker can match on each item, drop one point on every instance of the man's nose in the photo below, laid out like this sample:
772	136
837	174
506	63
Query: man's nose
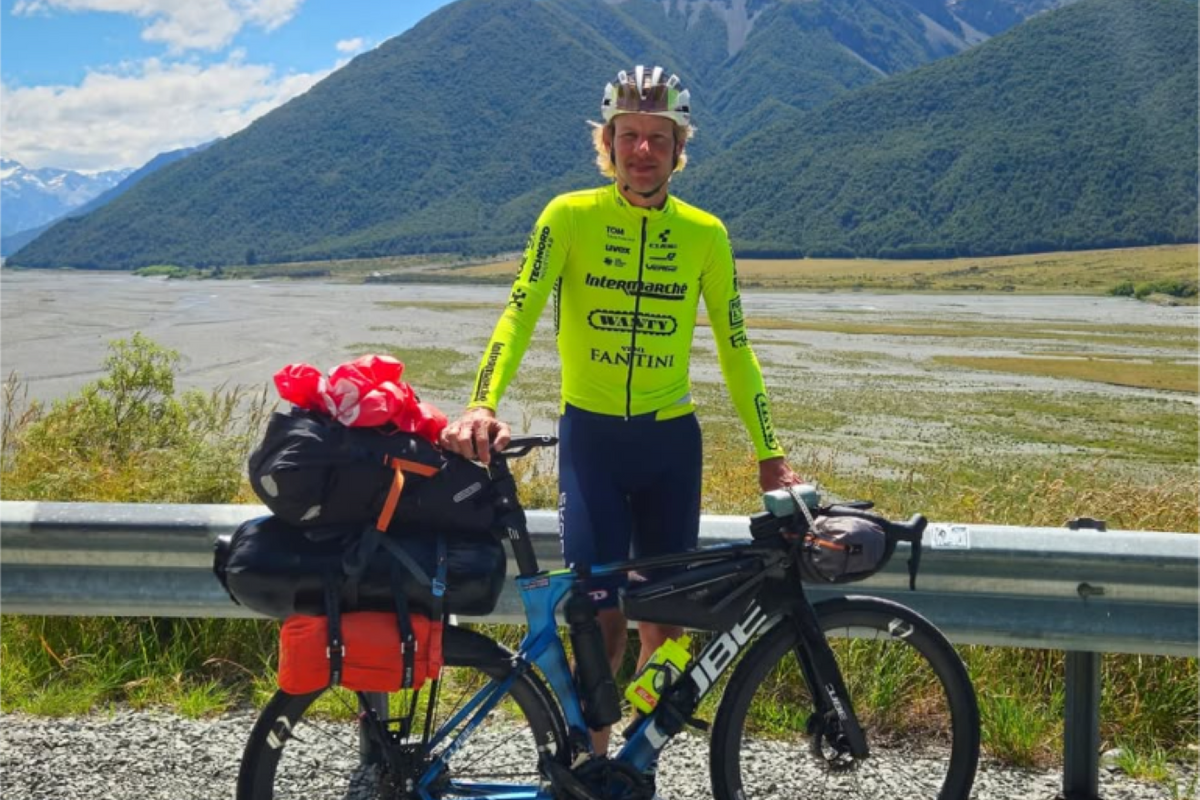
643	145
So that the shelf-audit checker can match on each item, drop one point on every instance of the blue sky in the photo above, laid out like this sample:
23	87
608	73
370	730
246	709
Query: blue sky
104	84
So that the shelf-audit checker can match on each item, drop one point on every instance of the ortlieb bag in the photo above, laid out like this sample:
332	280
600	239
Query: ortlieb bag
843	550
310	470
277	569
371	658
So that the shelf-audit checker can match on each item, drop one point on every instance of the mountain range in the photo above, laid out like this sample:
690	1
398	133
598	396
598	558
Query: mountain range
12	242
856	127
1077	130
33	197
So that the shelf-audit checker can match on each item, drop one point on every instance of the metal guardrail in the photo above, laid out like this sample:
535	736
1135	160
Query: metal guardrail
1084	591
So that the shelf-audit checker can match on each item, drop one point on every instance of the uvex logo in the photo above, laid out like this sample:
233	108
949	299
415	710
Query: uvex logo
653	324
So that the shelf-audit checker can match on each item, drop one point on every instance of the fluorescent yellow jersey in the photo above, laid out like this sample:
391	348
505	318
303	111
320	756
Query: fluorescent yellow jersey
628	282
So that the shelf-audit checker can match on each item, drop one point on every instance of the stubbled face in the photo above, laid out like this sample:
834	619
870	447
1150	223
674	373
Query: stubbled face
645	150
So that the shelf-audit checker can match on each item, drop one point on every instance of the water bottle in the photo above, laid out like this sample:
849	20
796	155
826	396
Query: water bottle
664	668
593	674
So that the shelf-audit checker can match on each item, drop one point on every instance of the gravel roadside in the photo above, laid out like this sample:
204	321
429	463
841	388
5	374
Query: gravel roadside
153	755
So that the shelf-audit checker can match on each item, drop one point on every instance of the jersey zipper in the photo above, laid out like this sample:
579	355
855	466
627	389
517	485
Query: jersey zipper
637	306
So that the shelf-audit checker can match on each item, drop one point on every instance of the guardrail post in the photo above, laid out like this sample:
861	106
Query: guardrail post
1081	716
1081	728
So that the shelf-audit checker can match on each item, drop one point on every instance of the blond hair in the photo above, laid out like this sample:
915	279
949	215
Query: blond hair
604	155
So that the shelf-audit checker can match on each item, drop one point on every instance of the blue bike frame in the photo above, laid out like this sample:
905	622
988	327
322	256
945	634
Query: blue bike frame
541	595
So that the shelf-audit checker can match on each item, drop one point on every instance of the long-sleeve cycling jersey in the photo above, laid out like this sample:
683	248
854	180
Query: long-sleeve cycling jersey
629	280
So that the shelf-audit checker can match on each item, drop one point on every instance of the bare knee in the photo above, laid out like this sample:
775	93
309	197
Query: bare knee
652	635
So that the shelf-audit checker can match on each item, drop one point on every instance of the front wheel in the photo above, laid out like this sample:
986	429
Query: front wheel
910	692
311	746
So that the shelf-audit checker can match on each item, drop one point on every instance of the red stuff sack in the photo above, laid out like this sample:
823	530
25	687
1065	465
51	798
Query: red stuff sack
372	659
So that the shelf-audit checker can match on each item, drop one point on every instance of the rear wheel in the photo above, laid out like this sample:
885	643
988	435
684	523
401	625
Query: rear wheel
309	746
910	692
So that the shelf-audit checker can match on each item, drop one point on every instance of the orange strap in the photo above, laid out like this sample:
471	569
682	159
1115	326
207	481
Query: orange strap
828	545
415	467
393	499
399	467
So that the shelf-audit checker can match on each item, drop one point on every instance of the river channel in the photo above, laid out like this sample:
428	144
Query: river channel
55	326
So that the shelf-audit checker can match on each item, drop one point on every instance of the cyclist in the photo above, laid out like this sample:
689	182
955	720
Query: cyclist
629	263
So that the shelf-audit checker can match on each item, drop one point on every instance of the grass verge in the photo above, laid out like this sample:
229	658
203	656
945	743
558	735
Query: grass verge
960	456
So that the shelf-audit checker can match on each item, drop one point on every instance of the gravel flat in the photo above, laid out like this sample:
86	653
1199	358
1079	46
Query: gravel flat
151	755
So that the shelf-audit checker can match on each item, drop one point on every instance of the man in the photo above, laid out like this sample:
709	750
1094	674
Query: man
630	264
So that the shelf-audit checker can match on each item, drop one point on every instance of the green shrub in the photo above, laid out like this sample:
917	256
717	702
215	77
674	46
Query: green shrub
129	437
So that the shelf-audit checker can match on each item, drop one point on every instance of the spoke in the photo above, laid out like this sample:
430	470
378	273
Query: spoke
330	735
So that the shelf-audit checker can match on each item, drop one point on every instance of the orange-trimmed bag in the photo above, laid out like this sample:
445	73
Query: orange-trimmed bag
371	659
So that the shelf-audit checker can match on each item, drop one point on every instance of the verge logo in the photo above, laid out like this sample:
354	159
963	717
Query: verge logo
623	322
658	266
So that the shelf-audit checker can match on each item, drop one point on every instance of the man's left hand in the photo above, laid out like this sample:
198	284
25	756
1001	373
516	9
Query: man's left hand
774	473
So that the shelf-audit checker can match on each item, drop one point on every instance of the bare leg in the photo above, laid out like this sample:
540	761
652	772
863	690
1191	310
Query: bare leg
615	629
652	636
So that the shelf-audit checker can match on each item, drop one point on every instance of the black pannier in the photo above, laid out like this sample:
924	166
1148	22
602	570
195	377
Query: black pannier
278	570
312	471
705	597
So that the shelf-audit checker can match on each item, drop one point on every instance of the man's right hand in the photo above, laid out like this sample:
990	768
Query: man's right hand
475	433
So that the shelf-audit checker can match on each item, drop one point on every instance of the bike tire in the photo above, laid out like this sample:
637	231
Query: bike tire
302	747
910	692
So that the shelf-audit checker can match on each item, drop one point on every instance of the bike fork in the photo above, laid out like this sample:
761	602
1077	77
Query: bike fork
831	700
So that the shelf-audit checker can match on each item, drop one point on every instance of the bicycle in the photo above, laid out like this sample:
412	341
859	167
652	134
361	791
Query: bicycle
493	727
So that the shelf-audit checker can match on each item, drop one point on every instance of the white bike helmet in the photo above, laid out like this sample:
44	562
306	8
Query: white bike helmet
646	92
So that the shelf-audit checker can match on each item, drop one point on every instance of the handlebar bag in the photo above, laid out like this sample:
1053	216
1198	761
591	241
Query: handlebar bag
843	550
311	471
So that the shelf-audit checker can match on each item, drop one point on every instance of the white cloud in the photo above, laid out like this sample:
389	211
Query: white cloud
124	116
350	46
181	24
